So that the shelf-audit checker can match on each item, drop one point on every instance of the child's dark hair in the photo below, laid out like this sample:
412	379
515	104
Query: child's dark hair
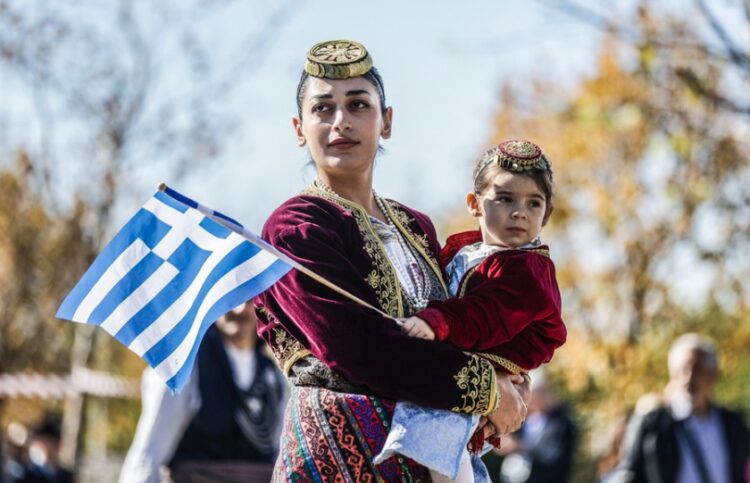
372	75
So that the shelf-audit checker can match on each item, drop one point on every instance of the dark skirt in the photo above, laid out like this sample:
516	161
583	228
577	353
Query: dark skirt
333	436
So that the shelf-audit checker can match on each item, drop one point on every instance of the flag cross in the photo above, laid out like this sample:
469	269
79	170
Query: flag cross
169	273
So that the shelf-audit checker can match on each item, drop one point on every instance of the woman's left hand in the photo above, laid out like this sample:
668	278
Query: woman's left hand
512	410
523	386
487	428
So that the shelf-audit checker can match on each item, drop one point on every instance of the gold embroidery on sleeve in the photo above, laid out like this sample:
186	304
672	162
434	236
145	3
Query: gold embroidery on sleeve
477	381
287	349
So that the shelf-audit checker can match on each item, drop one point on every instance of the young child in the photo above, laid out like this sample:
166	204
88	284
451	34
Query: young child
506	304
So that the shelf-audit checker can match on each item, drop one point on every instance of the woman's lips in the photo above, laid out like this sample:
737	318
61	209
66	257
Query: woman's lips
342	143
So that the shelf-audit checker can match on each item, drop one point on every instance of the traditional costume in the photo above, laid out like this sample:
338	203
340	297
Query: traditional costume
347	364
506	308
507	304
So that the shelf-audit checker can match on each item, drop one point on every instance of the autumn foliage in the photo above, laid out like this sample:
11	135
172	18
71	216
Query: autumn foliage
652	227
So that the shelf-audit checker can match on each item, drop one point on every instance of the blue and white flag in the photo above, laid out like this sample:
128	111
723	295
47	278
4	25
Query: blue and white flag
169	273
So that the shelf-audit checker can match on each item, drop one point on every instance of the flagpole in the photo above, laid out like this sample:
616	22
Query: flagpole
264	245
259	242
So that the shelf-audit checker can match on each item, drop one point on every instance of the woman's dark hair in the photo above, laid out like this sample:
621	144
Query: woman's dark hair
372	75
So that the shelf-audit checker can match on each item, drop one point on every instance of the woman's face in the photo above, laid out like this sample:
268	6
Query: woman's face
342	124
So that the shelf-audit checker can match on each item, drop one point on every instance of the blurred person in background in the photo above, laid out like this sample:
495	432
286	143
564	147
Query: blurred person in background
611	449
542	450
690	439
610	456
13	456
230	411
40	464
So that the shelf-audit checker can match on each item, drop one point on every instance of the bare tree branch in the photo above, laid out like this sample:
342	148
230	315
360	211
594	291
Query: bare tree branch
46	134
696	85
143	59
579	12
257	49
109	102
624	33
740	58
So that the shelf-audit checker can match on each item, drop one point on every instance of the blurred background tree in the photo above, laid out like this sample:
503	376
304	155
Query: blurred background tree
94	93
650	236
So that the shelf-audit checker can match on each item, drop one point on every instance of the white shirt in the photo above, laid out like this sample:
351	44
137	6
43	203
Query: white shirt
165	417
242	362
533	428
464	260
399	258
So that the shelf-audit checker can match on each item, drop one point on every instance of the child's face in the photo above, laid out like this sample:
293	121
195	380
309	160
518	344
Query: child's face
511	211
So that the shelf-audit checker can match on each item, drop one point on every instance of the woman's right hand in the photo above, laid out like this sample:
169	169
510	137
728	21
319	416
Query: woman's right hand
416	327
511	412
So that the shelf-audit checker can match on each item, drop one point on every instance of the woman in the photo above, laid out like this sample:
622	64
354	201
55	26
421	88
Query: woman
348	364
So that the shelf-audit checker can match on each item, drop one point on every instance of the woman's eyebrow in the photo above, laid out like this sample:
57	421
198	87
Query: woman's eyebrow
357	92
353	92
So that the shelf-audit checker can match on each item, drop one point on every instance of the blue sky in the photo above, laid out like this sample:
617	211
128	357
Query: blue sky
442	64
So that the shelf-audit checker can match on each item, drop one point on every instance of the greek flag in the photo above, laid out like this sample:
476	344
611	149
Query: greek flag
169	273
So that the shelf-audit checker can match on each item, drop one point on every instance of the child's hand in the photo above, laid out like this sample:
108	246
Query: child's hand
416	327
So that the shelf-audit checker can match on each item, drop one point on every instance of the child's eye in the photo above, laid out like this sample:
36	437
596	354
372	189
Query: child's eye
504	199
535	204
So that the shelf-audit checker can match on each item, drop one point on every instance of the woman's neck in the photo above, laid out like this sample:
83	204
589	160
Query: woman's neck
358	190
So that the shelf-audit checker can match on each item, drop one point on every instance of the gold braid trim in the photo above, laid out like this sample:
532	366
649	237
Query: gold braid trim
286	369
287	350
477	381
465	281
402	220
494	396
511	367
382	278
541	251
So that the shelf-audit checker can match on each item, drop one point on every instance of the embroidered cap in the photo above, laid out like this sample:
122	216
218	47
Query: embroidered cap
338	59
515	155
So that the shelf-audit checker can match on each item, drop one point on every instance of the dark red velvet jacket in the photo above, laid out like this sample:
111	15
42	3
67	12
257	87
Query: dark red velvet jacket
366	348
510	306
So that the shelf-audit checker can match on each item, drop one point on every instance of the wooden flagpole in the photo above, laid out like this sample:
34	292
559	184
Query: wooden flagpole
264	245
